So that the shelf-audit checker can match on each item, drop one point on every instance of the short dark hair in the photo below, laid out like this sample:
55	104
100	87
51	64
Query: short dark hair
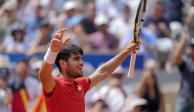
66	53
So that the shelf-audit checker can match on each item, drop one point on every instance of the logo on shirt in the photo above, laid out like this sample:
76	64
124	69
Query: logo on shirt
79	88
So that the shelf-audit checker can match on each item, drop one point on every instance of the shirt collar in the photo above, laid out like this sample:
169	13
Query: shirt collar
68	81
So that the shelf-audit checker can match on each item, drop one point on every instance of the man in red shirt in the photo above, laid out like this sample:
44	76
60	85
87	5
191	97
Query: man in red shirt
66	93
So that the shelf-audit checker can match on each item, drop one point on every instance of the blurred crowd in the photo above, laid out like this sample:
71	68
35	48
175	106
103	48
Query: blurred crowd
98	26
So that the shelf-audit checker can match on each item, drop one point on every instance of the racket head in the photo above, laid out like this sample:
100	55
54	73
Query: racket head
139	19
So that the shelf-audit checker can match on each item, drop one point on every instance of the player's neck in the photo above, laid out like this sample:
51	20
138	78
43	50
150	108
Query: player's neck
68	78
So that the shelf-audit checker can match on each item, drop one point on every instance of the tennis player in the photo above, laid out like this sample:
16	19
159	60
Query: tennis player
66	93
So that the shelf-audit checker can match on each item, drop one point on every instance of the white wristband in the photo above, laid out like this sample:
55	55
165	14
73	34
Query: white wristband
50	56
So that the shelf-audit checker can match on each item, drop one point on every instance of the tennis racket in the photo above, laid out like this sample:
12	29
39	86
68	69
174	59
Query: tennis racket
139	19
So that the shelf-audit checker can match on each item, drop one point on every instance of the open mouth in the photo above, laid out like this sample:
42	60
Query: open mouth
81	70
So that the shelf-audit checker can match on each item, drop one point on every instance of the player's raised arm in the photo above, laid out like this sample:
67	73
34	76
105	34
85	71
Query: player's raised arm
57	43
107	68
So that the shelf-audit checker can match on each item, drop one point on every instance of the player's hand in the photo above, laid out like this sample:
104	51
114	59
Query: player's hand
133	46
59	41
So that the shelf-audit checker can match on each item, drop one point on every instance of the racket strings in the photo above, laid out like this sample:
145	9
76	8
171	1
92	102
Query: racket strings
140	19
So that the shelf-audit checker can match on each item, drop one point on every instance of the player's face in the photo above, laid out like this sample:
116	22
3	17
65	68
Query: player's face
75	66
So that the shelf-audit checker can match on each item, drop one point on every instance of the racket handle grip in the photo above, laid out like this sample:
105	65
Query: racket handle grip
132	65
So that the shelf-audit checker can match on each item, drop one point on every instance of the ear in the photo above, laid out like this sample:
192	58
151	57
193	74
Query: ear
63	64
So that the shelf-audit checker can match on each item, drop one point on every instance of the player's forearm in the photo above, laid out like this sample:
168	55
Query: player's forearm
45	71
108	67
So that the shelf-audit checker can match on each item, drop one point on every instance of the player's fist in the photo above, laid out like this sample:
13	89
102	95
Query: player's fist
133	46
